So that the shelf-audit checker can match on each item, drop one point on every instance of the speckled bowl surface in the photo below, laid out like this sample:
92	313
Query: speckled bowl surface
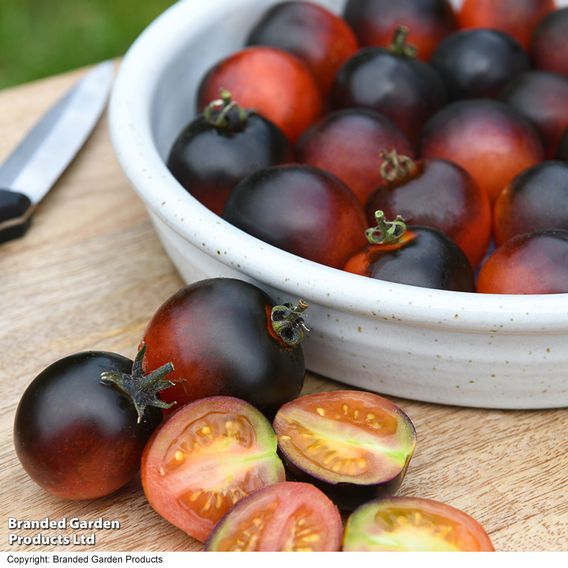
436	346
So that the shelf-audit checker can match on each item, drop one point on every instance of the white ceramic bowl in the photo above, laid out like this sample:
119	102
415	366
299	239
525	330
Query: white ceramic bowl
436	346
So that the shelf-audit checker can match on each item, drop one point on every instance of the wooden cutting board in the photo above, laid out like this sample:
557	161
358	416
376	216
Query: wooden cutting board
89	275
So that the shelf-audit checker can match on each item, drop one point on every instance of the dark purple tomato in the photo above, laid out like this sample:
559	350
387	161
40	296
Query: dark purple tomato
531	263
542	98
422	257
300	209
323	40
284	517
518	18
411	524
563	149
353	446
536	199
272	82
478	63
348	144
436	194
487	138
82	423
549	48
221	147
375	21
392	82
227	337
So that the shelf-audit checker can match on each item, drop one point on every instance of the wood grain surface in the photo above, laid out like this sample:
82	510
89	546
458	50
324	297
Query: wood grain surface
89	275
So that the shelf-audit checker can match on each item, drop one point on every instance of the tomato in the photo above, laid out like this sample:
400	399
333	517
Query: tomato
437	194
348	144
227	337
205	458
478	63
221	147
410	524
518	18
317	36
393	82
489	139
530	263
429	21
542	98
563	149
273	82
81	437
300	209
549	48
285	517
352	445
535	200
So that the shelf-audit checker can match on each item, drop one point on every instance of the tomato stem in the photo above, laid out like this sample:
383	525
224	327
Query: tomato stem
141	389
225	114
386	232
288	322
396	167
400	45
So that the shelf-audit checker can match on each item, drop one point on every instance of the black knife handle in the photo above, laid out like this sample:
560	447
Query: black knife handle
15	214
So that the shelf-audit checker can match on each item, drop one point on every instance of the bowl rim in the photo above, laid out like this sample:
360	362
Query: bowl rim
132	137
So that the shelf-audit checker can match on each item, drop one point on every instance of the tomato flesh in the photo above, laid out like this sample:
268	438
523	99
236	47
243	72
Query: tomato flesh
206	457
285	517
352	445
406	524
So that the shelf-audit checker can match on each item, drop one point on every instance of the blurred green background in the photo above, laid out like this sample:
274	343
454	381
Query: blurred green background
42	37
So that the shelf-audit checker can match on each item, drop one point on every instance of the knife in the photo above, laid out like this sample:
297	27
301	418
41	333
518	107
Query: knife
43	155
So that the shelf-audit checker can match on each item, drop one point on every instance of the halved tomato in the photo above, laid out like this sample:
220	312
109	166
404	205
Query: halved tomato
286	517
353	445
207	457
410	524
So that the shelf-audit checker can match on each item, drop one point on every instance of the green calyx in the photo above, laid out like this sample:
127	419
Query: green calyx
225	114
386	232
141	389
400	45
288	323
396	167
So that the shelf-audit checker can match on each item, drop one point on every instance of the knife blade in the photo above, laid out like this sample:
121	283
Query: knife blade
43	155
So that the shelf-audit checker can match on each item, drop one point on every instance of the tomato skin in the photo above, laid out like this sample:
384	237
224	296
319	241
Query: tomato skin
311	32
542	98
404	89
478	63
213	463
306	521
216	333
429	21
549	49
301	433
269	81
427	526
530	263
563	149
487	138
348	143
518	18
441	195
300	209
535	200
76	437
210	161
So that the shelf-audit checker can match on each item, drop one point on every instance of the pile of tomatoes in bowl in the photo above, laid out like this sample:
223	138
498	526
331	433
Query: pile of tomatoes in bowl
210	412
405	142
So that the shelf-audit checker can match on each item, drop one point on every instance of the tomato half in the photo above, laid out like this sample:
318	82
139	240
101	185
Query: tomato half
352	445
409	524
207	457
286	517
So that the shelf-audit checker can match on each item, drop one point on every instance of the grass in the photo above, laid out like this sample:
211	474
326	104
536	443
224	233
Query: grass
39	38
